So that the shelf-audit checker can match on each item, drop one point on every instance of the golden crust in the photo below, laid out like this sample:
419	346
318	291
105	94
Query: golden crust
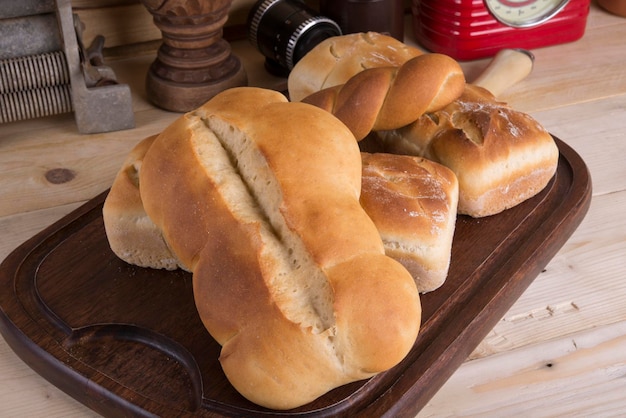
132	235
386	98
500	156
290	274
413	202
335	60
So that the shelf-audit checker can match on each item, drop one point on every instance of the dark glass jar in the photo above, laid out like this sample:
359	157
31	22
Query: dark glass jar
383	16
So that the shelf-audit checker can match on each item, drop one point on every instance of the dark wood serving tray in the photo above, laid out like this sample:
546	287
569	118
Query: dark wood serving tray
128	341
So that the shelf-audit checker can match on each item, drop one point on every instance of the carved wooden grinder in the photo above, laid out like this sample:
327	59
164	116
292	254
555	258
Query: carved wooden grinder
194	63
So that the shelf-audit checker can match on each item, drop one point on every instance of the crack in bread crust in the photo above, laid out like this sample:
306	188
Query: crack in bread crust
260	198
253	195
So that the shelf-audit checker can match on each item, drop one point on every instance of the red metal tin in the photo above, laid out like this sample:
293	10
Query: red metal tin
465	29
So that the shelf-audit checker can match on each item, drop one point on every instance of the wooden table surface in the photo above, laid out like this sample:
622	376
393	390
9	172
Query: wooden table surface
561	348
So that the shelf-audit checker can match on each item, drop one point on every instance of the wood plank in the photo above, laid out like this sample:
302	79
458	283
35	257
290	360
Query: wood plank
587	125
15	229
600	18
570	73
44	400
572	293
16	377
120	25
577	372
92	160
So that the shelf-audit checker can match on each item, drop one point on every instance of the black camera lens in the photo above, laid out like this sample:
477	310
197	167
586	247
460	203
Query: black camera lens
285	30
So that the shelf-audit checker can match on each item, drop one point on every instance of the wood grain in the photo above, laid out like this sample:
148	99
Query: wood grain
586	111
527	379
573	291
126	340
572	81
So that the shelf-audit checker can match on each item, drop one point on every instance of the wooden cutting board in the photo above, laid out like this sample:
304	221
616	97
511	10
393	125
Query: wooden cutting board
128	341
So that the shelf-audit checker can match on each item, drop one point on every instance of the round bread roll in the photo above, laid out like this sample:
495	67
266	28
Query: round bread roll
290	275
413	203
500	156
335	60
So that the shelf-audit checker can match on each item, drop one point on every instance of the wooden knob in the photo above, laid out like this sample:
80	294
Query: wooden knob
507	68
194	62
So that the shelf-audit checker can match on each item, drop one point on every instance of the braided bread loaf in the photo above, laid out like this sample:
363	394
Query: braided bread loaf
386	98
334	60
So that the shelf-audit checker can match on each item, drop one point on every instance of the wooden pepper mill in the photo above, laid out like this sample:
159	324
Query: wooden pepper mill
194	62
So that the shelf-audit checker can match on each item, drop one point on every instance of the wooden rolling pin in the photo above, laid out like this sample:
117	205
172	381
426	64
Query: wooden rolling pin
507	68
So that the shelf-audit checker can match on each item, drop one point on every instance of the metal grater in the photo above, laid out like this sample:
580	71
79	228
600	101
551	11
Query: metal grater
46	70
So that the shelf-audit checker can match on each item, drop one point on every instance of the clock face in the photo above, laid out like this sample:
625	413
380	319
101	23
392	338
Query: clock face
524	13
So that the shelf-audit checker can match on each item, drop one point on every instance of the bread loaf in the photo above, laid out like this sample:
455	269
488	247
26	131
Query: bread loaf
413	203
335	60
289	272
500	156
387	98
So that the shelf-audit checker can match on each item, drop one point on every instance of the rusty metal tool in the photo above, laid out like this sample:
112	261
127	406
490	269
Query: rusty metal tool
46	70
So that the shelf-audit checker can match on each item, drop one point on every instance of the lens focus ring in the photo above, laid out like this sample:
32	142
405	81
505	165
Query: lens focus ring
300	31
256	17
285	30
